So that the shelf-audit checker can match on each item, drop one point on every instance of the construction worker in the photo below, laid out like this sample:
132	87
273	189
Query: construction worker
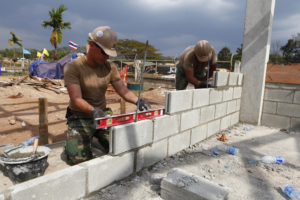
87	79
193	64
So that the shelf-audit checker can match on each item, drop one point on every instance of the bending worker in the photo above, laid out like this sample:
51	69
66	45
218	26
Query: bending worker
193	64
87	79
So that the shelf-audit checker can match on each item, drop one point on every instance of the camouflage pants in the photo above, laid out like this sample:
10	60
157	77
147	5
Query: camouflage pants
78	146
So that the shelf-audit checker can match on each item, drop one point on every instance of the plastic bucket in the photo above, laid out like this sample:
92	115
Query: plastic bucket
134	86
20	165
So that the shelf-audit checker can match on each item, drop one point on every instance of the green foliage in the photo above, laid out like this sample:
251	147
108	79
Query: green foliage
13	41
131	49
291	50
224	54
57	24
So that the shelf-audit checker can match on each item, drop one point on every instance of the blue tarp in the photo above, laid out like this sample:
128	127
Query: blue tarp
52	70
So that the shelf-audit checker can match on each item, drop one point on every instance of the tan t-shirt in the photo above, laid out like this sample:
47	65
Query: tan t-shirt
93	81
188	59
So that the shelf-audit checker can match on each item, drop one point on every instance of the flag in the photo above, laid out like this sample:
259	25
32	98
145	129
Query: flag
45	52
38	54
73	45
25	51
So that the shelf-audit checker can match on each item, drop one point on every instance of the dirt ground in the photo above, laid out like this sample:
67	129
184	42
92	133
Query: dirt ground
243	174
19	117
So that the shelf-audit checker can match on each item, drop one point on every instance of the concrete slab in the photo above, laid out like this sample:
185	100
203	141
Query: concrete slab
200	97
182	185
130	136
179	142
190	119
105	170
198	134
165	126
64	184
177	101
149	155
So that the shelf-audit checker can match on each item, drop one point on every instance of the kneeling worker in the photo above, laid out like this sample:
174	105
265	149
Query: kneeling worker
87	79
193	63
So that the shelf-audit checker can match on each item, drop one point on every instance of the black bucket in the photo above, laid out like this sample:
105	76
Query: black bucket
20	165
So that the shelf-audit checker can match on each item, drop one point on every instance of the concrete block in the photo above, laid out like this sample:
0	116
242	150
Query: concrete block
179	142
221	109
240	79
220	78
177	101
198	134
149	155
165	126
286	109
269	107
228	94
69	183
225	122
275	121
234	118
215	96
207	114
238	105
107	169
279	95
213	127
233	79
231	106
190	119
200	97
237	92
130	136
297	97
295	124
183	185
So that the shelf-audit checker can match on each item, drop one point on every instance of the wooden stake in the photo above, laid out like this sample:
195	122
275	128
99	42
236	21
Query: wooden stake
43	120
123	106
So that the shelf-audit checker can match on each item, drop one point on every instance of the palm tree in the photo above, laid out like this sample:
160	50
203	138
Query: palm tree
13	41
56	22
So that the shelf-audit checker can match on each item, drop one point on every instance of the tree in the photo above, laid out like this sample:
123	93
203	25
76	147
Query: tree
131	49
224	54
13	41
291	50
56	22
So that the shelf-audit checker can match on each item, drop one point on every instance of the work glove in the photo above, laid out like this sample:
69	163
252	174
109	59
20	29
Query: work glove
98	113
143	104
203	84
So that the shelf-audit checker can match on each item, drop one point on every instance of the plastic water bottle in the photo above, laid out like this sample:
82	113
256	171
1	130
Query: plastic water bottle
228	149
29	141
248	128
272	159
290	191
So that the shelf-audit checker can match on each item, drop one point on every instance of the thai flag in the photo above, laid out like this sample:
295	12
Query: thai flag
73	45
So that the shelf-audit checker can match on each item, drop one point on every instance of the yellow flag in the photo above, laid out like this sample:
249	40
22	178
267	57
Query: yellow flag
45	52
38	54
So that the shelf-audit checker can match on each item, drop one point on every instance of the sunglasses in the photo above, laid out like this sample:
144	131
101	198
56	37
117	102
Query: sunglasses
102	51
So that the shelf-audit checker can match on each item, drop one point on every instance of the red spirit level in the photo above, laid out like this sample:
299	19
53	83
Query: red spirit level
108	121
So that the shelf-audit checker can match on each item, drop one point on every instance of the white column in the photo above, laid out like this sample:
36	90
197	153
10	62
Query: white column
256	46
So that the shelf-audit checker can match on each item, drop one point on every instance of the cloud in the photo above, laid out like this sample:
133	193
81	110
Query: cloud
287	27
212	7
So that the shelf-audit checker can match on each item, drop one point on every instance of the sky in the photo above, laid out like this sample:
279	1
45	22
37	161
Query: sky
169	25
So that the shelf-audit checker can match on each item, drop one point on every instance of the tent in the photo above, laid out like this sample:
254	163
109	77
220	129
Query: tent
52	70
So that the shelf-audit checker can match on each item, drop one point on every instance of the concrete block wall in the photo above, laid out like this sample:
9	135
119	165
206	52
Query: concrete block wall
191	116
281	107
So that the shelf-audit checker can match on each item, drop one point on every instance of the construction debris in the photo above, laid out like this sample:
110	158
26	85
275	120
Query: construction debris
36	82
